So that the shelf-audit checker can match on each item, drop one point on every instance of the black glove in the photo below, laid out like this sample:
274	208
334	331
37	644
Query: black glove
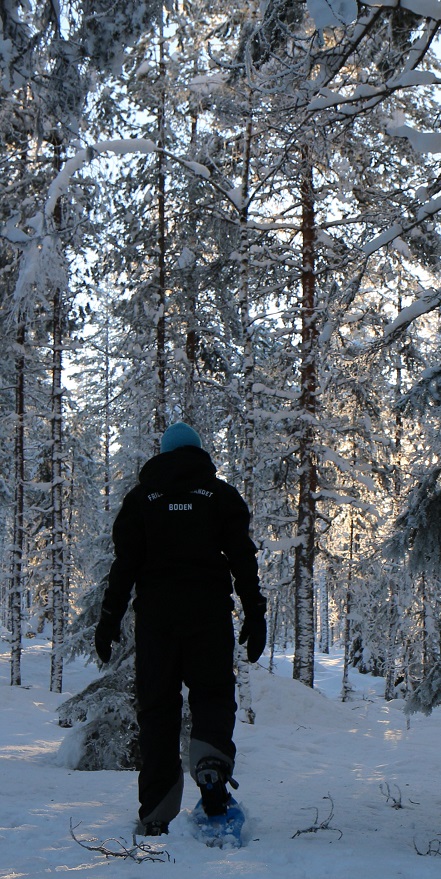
253	630
105	633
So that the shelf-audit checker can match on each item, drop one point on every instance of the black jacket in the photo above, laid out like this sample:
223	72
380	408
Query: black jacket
180	536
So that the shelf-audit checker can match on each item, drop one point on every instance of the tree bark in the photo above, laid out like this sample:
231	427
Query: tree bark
244	688
59	599
15	599
246	323
58	596
190	289
107	412
160	416
303	666
324	613
346	687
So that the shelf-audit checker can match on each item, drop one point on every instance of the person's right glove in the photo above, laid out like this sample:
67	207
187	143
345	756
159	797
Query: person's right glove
253	631
105	633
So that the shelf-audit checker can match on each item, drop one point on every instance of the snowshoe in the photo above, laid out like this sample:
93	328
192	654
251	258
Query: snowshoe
219	831
212	776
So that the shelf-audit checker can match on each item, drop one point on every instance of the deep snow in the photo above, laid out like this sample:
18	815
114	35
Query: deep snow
305	747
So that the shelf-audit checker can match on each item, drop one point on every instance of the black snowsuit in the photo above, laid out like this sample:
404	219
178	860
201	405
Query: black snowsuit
180	535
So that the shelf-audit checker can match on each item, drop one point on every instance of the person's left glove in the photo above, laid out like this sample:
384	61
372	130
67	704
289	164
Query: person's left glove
105	633
253	631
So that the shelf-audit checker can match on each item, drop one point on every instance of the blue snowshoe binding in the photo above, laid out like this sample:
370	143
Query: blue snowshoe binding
212	776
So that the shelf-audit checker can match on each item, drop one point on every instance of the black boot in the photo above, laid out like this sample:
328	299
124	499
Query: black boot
153	828
212	776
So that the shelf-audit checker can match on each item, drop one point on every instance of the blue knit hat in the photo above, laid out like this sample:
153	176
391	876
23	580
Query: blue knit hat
179	434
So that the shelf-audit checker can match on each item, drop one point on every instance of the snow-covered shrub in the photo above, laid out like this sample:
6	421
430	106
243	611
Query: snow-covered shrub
104	727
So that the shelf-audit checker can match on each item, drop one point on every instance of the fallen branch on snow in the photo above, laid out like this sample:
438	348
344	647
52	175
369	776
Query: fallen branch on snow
395	801
434	848
118	848
322	825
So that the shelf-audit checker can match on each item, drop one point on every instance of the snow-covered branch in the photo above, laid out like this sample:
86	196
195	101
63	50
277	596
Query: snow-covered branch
119	147
420	141
123	147
397	229
332	13
430	300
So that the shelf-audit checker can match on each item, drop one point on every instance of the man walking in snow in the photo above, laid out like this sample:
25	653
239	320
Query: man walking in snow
180	537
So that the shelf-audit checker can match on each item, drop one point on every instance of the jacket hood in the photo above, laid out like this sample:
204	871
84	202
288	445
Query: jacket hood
182	469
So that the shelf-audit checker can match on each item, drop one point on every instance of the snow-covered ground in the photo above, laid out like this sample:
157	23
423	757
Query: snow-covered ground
306	753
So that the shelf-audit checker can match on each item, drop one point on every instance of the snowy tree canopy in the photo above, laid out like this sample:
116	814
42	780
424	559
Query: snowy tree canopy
332	13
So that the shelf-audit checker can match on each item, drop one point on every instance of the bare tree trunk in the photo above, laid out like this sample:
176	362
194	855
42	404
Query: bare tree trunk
190	350
244	688
247	326
59	599
246	711
58	593
394	619
389	690
191	300
303	666
428	627
346	687
107	414
16	583
18	540
160	416
273	630
324	613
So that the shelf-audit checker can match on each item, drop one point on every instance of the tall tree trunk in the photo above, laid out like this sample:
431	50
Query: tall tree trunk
246	323
107	413
246	710
428	627
190	351
324	613
303	666
393	627
273	631
59	599
191	299
58	593
16	583
18	539
393	604
160	416
346	687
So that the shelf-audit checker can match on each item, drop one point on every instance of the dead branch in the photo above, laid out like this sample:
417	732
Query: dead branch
390	798
434	848
119	848
321	825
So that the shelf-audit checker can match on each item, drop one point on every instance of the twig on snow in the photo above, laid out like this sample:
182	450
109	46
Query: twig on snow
321	825
434	848
394	800
118	848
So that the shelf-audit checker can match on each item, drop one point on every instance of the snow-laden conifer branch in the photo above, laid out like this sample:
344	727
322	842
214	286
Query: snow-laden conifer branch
119	147
426	8
366	97
332	13
125	146
429	209
417	530
427	302
427	695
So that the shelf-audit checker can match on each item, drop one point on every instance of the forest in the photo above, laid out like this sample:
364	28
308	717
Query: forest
227	215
